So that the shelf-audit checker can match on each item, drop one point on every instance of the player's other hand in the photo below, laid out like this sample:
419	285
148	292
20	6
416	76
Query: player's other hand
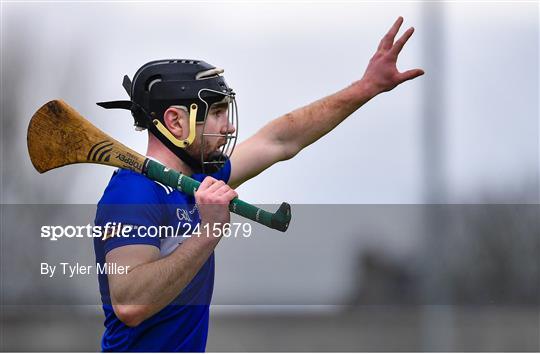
381	74
213	198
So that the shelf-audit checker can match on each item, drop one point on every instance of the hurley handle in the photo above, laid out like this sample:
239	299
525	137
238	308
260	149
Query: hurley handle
278	220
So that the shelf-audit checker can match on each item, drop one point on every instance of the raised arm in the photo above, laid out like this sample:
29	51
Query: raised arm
284	137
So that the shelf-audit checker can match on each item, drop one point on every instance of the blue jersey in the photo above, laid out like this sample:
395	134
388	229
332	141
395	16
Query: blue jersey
134	200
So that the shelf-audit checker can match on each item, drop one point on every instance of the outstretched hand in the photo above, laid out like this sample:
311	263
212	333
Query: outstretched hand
381	73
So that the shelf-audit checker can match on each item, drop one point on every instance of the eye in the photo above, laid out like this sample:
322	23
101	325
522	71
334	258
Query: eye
218	112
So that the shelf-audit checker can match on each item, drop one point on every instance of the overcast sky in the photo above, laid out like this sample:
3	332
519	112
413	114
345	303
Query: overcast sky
279	56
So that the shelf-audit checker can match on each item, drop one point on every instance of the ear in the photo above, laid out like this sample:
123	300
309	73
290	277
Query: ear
176	120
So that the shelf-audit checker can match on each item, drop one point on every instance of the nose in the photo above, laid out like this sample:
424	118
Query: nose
228	129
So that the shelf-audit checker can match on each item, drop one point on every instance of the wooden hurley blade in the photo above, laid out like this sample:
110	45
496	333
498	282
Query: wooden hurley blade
58	135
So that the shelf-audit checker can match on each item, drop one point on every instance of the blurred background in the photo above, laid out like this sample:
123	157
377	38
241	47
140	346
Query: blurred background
415	222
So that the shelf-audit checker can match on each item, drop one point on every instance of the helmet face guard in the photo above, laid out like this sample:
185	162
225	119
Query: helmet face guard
190	84
217	159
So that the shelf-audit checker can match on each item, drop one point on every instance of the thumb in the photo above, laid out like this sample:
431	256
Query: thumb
410	74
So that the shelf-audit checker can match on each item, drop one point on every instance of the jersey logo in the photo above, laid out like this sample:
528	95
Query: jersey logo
184	215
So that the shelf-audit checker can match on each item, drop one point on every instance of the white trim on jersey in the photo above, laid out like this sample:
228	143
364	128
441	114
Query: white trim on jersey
168	189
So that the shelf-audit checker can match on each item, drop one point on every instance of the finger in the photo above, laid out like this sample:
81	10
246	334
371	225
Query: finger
388	39
230	195
223	189
206	183
410	74
214	187
398	46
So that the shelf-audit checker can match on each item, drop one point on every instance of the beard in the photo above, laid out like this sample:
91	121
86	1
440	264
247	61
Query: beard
218	159
213	155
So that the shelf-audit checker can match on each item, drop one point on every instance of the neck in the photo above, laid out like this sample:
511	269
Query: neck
160	152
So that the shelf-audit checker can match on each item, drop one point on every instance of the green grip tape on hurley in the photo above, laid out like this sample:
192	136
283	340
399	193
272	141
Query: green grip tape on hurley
172	178
278	220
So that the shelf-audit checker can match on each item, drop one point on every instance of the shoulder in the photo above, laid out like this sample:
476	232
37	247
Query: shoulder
129	187
132	198
224	173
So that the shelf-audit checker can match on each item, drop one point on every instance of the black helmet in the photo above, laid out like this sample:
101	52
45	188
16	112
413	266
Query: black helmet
192	84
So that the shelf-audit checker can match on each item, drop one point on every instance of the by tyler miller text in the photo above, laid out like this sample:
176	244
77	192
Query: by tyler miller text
73	269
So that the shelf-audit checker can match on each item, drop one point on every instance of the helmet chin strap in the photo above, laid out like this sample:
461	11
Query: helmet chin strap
176	145
194	164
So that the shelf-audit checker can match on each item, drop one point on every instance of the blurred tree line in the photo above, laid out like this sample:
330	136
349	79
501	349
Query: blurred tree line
484	254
